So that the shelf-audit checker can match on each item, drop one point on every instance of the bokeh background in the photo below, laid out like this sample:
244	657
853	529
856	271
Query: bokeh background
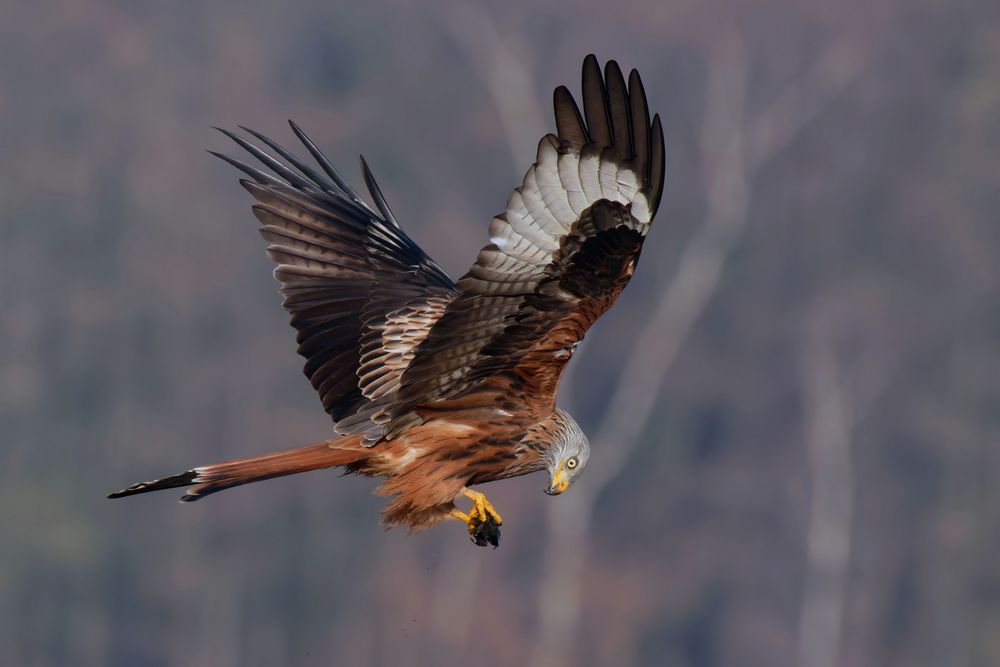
795	407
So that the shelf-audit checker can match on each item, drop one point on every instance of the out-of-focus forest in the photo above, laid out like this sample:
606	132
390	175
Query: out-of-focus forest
794	408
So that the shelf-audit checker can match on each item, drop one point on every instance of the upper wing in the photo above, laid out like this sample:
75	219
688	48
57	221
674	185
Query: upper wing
360	292
558	258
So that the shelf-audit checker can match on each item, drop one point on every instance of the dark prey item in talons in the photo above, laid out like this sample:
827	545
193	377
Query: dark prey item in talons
485	532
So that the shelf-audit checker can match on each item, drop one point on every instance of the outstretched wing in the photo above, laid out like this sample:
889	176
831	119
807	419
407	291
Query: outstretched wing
360	292
558	258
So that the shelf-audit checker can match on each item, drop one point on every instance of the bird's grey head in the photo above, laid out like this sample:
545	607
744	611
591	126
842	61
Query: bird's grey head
567	457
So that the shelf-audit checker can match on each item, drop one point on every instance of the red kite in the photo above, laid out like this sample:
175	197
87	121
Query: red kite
438	386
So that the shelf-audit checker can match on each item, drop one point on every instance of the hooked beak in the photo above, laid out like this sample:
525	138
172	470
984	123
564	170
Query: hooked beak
559	482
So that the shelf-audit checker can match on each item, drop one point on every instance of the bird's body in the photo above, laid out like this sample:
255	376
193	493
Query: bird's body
436	385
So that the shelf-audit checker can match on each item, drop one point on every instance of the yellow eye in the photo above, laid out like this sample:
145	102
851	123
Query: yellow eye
571	463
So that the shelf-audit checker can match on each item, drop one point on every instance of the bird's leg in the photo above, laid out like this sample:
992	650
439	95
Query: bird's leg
461	516
481	507
483	520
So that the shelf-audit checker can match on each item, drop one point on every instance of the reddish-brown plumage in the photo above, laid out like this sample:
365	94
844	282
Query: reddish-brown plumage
436	385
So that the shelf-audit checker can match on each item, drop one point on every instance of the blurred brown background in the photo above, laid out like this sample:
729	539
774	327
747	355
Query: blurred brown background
795	407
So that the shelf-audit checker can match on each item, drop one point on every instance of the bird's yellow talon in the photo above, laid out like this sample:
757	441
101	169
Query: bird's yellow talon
481	507
482	520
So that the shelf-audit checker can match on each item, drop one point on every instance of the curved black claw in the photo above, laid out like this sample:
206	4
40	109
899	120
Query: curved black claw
485	532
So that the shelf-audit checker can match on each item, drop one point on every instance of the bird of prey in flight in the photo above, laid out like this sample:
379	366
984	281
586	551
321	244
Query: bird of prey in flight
434	385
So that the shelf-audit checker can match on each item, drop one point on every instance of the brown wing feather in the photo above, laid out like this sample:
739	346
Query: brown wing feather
560	255
347	273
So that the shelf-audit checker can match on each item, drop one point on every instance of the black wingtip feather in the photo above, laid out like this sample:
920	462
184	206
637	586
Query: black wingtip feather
595	103
325	164
255	174
569	122
376	193
269	161
639	112
657	163
319	180
185	478
616	98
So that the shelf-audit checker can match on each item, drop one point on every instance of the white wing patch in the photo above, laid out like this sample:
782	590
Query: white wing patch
557	189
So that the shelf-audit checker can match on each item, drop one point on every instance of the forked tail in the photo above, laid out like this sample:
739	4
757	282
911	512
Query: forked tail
206	480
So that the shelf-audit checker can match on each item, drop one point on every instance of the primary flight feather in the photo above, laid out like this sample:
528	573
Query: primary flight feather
436	385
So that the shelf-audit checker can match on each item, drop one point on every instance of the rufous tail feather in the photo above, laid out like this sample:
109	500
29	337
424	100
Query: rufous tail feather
205	480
